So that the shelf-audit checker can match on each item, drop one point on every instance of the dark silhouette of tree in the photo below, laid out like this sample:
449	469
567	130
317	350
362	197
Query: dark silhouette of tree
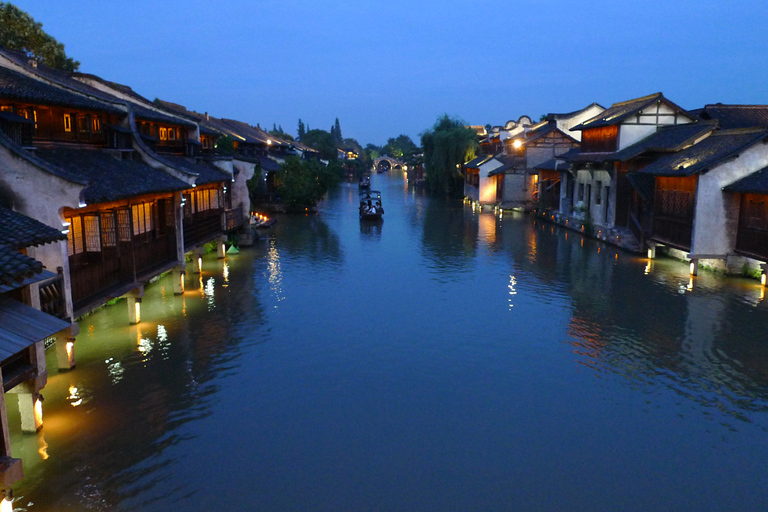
19	31
302	130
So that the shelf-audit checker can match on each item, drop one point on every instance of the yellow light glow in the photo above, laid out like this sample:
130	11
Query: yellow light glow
690	284
517	144
648	268
200	263
6	505
692	267
650	254
763	278
38	412
181	283
74	396
70	349
137	309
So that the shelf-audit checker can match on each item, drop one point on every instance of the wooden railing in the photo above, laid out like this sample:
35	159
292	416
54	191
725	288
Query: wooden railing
637	229
674	231
52	299
234	218
753	243
202	227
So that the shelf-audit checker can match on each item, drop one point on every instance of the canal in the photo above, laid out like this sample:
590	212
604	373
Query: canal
444	359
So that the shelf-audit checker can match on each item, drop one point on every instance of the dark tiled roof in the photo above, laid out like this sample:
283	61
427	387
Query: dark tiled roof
551	117
579	157
14	266
735	116
553	164
643	183
108	178
267	164
18	231
206	173
478	161
15	118
142	112
755	183
718	147
15	86
620	111
544	130
666	139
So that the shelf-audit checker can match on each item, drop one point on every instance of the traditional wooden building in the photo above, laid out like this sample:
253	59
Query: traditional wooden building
81	170
751	193
32	310
692	210
594	188
538	143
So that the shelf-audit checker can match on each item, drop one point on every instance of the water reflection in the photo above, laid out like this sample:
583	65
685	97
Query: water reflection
371	229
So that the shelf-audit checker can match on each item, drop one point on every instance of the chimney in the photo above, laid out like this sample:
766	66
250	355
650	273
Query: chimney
206	117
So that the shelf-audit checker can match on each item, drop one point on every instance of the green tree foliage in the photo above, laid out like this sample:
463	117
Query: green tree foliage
372	151
302	130
399	146
322	141
446	147
302	183
225	145
19	31
280	134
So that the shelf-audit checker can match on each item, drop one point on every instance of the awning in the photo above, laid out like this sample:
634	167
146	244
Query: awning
22	326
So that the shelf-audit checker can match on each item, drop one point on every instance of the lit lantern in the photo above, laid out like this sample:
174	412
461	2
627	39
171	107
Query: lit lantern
6	505
70	350
692	267
650	254
200	264
763	278
38	411
137	310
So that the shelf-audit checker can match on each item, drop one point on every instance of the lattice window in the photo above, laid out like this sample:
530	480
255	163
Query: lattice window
124	225
92	233
108	231
75	236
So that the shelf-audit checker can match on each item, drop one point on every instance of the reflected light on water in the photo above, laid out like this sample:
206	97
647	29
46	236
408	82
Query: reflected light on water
225	273
487	229
512	291
115	370
74	396
208	292
145	345
42	450
648	268
275	272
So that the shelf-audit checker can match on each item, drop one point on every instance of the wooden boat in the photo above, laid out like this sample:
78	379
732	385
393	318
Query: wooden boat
370	205
365	182
259	221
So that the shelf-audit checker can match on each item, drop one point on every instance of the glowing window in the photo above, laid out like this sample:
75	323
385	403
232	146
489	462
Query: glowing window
67	123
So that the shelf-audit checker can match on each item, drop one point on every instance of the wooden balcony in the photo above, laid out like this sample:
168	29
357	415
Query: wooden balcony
202	227
235	218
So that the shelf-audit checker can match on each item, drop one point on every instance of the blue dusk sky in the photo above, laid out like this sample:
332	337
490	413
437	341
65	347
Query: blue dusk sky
391	67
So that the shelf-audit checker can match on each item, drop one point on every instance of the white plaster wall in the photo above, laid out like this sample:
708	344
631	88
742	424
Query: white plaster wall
42	196
631	133
716	216
487	192
565	125
239	187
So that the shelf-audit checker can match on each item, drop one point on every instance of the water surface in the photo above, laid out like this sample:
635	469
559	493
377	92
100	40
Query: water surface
443	359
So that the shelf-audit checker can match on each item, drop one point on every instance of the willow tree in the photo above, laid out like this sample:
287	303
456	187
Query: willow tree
19	31
446	147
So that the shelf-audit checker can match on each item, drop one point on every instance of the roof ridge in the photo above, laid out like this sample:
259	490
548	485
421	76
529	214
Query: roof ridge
642	98
737	131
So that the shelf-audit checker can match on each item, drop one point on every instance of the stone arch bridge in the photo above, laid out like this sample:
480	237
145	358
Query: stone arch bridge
386	163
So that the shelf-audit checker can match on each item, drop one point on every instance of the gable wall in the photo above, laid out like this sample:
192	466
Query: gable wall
716	217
